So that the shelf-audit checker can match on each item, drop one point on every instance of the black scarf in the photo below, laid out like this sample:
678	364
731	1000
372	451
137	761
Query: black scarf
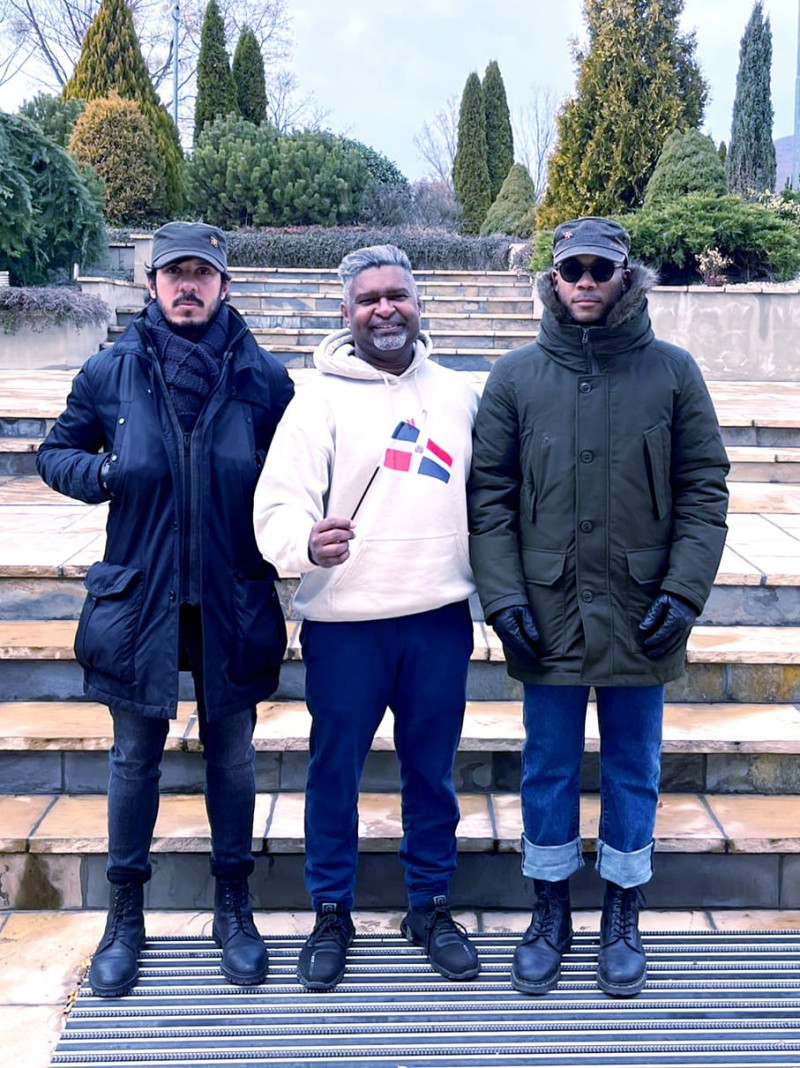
191	367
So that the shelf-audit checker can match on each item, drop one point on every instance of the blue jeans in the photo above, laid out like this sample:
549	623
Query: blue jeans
417	666
135	770
630	719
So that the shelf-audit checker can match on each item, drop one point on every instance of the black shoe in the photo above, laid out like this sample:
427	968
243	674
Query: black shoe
115	965
537	959
449	951
621	966
244	955
323	958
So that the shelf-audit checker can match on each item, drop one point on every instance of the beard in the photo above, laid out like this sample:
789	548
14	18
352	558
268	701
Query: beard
390	342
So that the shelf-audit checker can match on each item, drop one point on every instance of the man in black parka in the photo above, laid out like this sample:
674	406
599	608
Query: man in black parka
597	522
171	426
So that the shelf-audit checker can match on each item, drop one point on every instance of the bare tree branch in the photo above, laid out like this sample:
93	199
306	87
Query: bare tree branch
437	141
534	125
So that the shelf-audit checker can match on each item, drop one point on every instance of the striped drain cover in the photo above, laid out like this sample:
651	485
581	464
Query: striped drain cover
711	1000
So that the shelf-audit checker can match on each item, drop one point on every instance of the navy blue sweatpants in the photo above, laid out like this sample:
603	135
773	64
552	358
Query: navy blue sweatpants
417	666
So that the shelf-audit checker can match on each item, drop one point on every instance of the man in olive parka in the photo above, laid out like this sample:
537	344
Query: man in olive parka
597	522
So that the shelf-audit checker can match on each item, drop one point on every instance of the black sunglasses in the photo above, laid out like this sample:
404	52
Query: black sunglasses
572	270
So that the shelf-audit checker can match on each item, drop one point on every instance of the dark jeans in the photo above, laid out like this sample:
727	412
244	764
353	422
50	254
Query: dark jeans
135	770
630	720
417	666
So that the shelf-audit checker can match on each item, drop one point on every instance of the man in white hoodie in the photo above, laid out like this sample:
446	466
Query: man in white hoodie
364	495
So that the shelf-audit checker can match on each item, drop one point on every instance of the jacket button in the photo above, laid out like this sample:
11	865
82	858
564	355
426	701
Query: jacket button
587	596
172	596
122	420
585	387
587	456
587	525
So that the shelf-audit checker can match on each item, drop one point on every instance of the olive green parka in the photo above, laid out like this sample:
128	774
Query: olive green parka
598	480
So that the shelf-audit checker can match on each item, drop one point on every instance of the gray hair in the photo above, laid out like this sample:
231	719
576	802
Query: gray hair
372	256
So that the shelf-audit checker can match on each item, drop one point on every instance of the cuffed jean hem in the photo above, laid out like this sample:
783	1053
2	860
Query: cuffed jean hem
625	869
551	863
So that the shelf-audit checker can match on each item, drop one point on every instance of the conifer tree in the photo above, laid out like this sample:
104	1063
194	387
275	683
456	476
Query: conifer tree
499	136
750	163
638	81
216	90
111	61
248	76
514	208
470	169
689	163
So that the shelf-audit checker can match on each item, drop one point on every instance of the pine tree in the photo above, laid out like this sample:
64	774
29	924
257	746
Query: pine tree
689	163
248	76
499	136
514	209
111	61
750	164
638	81
470	168
722	152
216	90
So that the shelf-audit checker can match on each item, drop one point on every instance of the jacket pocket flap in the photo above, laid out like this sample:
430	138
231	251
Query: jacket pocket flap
648	565
543	566
110	580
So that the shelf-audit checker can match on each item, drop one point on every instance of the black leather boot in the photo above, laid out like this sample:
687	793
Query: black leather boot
537	959
244	955
115	965
621	966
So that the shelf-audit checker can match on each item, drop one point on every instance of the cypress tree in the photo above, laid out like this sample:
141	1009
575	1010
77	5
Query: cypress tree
216	90
111	61
470	167
750	164
248	76
638	81
499	136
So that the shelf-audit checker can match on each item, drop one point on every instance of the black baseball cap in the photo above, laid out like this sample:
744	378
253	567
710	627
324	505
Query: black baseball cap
181	240
591	236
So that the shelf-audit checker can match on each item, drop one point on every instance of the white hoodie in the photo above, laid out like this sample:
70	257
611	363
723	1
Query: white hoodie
410	550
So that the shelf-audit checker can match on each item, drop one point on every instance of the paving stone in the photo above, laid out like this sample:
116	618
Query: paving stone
761	773
758	824
30	881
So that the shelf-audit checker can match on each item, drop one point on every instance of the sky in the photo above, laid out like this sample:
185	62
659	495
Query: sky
382	71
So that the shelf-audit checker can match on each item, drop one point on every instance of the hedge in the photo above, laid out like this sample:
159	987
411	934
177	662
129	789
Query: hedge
320	246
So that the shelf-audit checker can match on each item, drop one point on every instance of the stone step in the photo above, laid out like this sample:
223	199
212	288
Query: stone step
307	303
711	850
746	664
58	747
475	288
753	463
47	542
297	275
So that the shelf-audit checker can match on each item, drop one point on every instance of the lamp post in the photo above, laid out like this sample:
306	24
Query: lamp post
176	14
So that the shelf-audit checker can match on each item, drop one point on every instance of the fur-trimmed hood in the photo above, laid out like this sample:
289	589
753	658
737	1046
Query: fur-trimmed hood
642	281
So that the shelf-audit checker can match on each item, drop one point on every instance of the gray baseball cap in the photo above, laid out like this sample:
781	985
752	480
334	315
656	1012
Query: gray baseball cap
181	240
591	236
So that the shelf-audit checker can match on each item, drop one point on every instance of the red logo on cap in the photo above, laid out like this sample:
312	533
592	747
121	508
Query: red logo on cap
567	235
214	241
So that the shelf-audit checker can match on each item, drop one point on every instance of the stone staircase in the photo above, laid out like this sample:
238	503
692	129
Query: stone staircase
728	831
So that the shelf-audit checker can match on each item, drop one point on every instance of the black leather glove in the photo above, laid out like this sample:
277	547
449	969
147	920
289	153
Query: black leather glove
516	629
665	625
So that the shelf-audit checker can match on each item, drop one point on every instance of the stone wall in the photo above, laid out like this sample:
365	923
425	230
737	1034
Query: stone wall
735	333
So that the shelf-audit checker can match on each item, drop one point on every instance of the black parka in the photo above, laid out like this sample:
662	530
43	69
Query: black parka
598	480
161	540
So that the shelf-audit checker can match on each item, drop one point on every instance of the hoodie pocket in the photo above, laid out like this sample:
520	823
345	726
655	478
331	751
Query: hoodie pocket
109	624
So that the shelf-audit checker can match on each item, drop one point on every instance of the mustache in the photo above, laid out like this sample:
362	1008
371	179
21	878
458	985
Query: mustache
187	298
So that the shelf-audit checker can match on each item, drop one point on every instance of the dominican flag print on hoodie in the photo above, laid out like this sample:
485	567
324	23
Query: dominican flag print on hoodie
417	454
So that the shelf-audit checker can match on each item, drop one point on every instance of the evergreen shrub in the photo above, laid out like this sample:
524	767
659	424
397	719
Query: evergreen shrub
54	117
116	140
689	163
514	210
